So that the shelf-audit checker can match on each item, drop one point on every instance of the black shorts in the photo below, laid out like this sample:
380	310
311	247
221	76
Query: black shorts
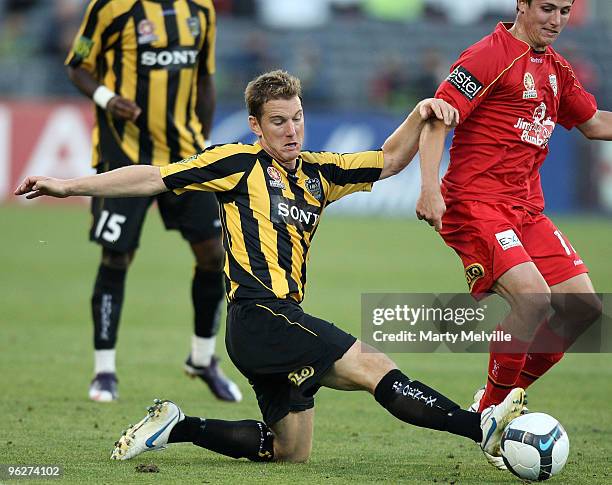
283	351
117	223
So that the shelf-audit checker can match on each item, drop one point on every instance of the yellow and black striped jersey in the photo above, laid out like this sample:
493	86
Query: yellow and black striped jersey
269	215
151	52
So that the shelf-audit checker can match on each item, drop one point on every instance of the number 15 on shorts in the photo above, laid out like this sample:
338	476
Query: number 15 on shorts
109	226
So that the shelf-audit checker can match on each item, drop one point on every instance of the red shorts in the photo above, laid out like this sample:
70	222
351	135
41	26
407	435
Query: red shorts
492	238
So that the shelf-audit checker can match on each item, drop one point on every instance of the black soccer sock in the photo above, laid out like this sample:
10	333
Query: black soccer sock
238	439
106	303
415	403
207	296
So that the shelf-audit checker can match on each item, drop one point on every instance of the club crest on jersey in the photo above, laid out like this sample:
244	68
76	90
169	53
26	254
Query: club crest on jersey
552	78
473	273
194	26
314	187
146	32
538	131
530	87
275	178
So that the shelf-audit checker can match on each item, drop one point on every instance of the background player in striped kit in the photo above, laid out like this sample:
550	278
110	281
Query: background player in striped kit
149	65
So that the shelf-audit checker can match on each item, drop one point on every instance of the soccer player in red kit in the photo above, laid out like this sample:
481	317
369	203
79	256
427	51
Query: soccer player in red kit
511	90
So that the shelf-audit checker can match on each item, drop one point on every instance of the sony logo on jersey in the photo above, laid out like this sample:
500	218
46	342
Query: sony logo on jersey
465	82
185	57
297	213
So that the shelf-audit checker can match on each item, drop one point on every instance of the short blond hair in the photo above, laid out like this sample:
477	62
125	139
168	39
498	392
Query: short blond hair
268	86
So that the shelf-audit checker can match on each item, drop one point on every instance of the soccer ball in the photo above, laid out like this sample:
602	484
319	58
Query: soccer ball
535	446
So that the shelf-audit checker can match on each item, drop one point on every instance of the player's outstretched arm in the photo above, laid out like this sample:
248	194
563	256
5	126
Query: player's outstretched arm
132	181
599	127
401	147
430	205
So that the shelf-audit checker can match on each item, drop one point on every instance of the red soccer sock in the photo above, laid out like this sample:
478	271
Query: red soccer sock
536	365
504	370
551	349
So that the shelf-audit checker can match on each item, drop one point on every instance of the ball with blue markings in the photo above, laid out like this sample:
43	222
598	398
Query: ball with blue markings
535	446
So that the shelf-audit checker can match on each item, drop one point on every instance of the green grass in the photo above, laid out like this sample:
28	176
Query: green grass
46	274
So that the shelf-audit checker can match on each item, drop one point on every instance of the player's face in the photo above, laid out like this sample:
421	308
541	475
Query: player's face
281	129
544	20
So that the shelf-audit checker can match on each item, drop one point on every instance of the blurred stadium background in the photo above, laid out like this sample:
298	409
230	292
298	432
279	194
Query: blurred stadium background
363	63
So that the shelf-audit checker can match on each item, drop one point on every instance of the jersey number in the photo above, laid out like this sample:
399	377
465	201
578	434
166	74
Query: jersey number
568	249
112	224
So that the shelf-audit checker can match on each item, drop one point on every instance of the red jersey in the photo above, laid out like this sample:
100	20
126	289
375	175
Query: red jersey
510	98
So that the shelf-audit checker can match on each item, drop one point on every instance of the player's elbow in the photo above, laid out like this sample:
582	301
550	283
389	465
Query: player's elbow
155	184
591	135
597	128
393	165
396	159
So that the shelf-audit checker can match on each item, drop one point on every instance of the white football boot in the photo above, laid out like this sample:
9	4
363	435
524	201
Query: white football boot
151	433
496	461
494	420
477	397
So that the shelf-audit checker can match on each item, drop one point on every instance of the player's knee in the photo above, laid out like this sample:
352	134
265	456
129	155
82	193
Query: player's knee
532	306
580	309
116	259
209	255
212	262
541	304
372	365
589	307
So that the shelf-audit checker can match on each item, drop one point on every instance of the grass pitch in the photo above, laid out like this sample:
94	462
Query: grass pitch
46	274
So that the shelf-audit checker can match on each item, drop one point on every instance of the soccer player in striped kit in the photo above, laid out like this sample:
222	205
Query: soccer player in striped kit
148	65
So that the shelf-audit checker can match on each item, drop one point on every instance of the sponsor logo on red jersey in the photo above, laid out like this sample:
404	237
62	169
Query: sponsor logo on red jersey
473	273
465	82
508	239
538	131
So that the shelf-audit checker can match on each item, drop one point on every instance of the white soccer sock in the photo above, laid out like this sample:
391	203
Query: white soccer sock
202	350
104	361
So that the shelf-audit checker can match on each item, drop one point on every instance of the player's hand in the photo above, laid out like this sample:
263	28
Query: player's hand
37	185
433	107
431	207
123	108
